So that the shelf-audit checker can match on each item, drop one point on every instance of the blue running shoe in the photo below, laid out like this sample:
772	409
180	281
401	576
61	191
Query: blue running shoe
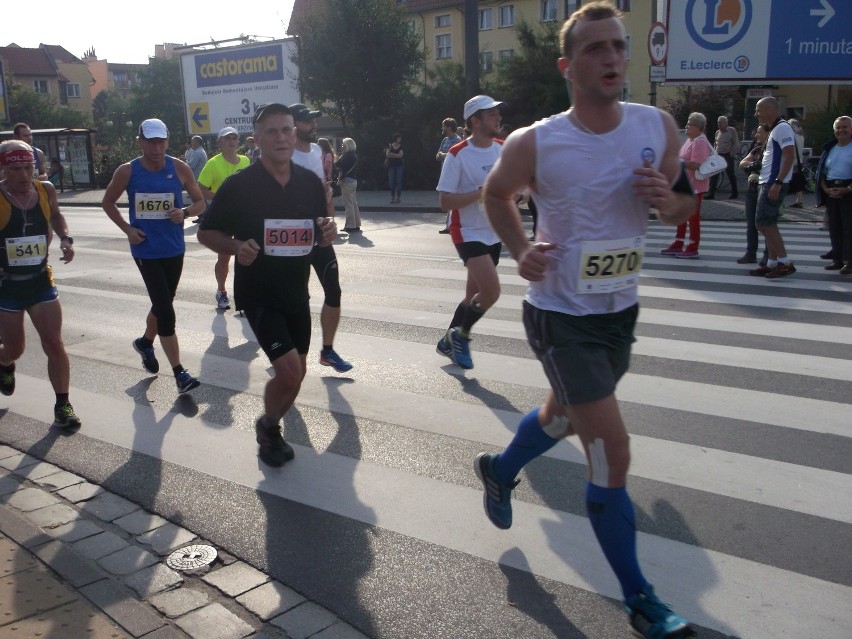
461	349
498	497
444	346
186	382
653	619
149	360
328	357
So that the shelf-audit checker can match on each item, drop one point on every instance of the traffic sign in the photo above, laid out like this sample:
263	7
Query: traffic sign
656	73
658	43
759	40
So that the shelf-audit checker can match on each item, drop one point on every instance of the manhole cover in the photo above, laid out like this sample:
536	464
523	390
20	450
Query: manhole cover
192	557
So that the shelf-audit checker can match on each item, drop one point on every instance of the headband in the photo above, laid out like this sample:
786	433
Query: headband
16	156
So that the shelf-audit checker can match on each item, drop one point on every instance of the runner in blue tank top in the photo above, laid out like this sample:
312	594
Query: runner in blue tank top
154	184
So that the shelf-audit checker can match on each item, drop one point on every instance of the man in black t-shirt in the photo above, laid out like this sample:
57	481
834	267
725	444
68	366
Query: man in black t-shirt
269	216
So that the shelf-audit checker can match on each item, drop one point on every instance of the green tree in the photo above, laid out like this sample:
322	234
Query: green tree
819	125
712	102
529	81
358	57
41	111
159	95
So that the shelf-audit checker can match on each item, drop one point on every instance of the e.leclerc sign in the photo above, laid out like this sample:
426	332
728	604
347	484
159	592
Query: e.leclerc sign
748	41
224	87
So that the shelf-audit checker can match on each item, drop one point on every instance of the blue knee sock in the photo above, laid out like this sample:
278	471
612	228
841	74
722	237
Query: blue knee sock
529	442
614	523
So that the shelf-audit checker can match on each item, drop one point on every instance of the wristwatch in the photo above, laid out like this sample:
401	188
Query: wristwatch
779	182
185	212
68	239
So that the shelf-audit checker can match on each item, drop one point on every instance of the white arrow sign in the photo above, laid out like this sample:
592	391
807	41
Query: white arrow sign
827	13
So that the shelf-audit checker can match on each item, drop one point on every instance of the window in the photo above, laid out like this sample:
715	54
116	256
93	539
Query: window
504	55
624	5
627	47
570	7
486	62
412	26
486	19
442	20
40	86
548	10
72	90
507	15
443	46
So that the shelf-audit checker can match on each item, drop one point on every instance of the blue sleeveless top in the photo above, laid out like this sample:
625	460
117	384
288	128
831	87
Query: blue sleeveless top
155	194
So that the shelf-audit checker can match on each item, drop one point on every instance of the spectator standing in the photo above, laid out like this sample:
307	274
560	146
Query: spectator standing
727	144
396	167
778	159
267	217
196	156
155	183
29	211
21	131
218	169
327	159
347	167
460	188
252	150
800	147
579	318
449	128
694	151
308	154
834	189
751	165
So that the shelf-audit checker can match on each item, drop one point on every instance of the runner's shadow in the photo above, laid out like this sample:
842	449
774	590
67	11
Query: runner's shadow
525	593
321	552
358	239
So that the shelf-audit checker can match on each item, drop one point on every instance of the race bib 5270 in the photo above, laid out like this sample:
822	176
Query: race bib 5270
610	265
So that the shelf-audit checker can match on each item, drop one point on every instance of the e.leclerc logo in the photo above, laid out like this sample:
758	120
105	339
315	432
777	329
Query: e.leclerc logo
718	24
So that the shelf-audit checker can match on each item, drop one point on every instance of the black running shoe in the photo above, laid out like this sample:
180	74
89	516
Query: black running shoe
149	360
65	416
273	450
7	381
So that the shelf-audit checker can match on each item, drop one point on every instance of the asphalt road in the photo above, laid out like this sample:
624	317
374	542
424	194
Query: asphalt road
738	405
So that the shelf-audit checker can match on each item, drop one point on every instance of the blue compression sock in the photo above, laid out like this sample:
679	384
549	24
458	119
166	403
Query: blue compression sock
614	522
529	442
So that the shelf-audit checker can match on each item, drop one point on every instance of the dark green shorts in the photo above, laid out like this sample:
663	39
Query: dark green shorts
584	356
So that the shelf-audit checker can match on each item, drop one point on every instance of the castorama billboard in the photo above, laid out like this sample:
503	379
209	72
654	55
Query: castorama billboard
224	87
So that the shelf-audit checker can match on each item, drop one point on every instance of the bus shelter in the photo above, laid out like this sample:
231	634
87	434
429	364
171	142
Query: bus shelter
69	155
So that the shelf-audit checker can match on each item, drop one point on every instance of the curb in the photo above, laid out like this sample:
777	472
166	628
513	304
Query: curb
112	553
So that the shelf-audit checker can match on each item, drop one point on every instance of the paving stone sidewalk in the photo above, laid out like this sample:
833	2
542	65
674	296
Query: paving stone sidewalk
77	560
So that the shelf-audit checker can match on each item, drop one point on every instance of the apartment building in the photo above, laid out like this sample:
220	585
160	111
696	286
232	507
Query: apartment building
53	71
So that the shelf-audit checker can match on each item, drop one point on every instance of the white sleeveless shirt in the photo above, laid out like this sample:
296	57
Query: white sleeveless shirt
588	209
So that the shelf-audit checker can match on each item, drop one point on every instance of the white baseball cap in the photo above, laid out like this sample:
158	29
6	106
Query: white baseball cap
228	130
479	102
153	128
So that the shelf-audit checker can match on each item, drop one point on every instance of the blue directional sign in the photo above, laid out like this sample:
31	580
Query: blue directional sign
748	41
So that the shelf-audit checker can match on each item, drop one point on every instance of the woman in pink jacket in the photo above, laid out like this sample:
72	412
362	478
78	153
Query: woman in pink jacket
694	151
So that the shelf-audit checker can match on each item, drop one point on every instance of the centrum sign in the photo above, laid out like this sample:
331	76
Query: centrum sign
224	87
743	41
